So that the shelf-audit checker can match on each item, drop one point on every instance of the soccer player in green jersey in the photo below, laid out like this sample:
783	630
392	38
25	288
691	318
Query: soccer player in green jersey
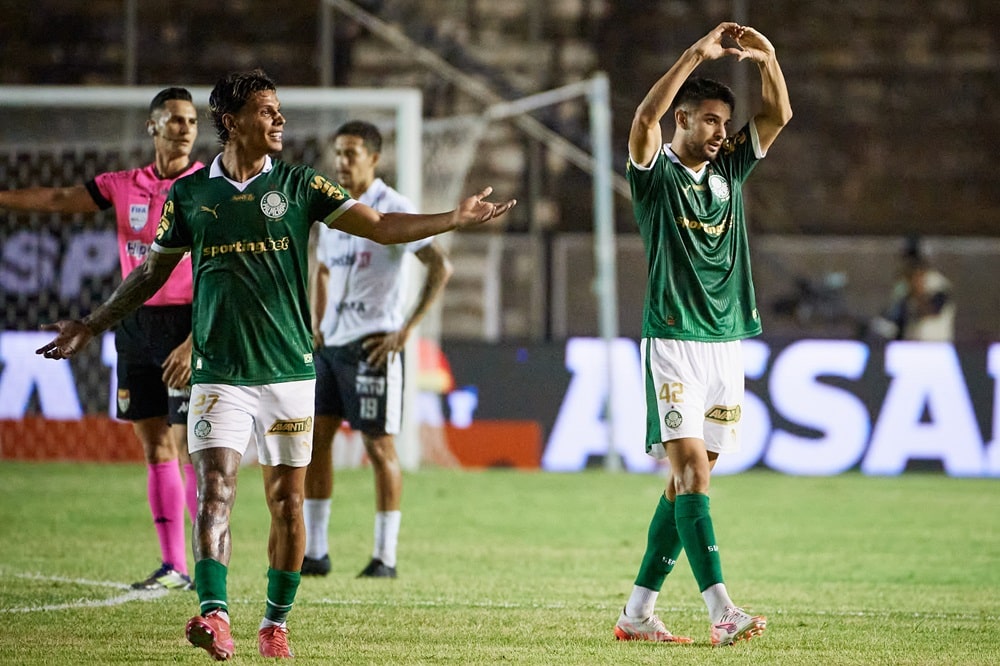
699	305
245	220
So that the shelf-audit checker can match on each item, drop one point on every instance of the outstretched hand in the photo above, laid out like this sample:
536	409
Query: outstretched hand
73	335
475	210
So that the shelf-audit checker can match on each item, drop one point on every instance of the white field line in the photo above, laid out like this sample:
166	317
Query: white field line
147	595
812	612
128	596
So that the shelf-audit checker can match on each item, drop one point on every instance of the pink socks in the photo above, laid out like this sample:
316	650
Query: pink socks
166	502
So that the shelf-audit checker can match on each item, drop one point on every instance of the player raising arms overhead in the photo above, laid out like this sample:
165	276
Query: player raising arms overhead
688	203
153	342
246	220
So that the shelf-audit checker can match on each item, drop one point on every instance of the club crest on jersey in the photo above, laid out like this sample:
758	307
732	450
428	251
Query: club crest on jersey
719	186
273	204
673	419
137	216
202	429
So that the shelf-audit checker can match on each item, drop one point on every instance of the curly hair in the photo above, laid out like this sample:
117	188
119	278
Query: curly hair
231	93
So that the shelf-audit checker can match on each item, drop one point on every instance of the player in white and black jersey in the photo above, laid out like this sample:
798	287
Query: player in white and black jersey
360	332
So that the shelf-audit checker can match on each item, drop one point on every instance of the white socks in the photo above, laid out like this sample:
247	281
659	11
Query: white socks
317	518
717	599
386	536
642	602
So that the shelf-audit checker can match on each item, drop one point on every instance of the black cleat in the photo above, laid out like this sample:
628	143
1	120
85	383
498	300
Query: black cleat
377	569
316	567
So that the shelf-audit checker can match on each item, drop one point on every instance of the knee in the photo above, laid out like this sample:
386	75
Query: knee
285	506
381	450
216	488
690	479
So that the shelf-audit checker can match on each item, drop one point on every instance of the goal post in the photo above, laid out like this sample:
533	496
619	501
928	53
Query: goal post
57	136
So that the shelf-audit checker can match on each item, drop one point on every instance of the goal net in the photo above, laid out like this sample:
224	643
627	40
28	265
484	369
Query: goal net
54	267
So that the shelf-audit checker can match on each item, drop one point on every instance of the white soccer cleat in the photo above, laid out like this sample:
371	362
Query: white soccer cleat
645	629
737	625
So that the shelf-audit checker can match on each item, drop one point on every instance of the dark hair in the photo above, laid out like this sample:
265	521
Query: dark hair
366	131
232	92
696	90
168	94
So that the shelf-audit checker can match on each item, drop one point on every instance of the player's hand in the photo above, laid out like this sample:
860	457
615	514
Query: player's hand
72	336
711	46
177	367
382	346
476	210
756	47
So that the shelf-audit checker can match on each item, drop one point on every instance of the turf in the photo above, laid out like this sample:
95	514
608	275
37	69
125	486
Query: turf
506	567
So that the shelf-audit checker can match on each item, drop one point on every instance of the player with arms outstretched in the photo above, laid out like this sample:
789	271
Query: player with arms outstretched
700	303
246	220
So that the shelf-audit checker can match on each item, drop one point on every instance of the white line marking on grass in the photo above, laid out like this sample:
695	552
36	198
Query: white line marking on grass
130	595
514	605
75	581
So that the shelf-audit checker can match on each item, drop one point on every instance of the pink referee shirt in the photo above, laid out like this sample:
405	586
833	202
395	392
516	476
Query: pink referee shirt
137	196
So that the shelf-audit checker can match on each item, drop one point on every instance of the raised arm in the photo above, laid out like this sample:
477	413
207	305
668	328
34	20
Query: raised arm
393	228
135	289
776	109
645	136
74	199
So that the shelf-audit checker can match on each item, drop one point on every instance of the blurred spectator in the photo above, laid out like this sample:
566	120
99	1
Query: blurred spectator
921	306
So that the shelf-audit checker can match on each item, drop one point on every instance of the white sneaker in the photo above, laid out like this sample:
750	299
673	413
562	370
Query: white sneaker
737	625
647	629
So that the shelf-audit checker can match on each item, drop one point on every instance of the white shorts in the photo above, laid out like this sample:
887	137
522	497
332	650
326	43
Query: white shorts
693	389
279	418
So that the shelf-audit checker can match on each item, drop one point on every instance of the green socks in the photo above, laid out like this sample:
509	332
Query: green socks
210	582
281	589
663	545
694	524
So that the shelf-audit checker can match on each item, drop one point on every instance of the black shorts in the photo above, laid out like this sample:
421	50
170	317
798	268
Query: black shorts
143	341
369	398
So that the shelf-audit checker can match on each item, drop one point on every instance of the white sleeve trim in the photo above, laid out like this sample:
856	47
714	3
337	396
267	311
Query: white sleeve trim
156	247
344	207
649	166
755	141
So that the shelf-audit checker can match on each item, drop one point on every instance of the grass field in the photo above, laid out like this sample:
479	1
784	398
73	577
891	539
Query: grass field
503	567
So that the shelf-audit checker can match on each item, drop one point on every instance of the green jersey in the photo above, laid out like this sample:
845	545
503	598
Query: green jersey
249	246
694	231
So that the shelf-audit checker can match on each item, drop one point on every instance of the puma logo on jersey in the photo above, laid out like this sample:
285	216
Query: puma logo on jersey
211	210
